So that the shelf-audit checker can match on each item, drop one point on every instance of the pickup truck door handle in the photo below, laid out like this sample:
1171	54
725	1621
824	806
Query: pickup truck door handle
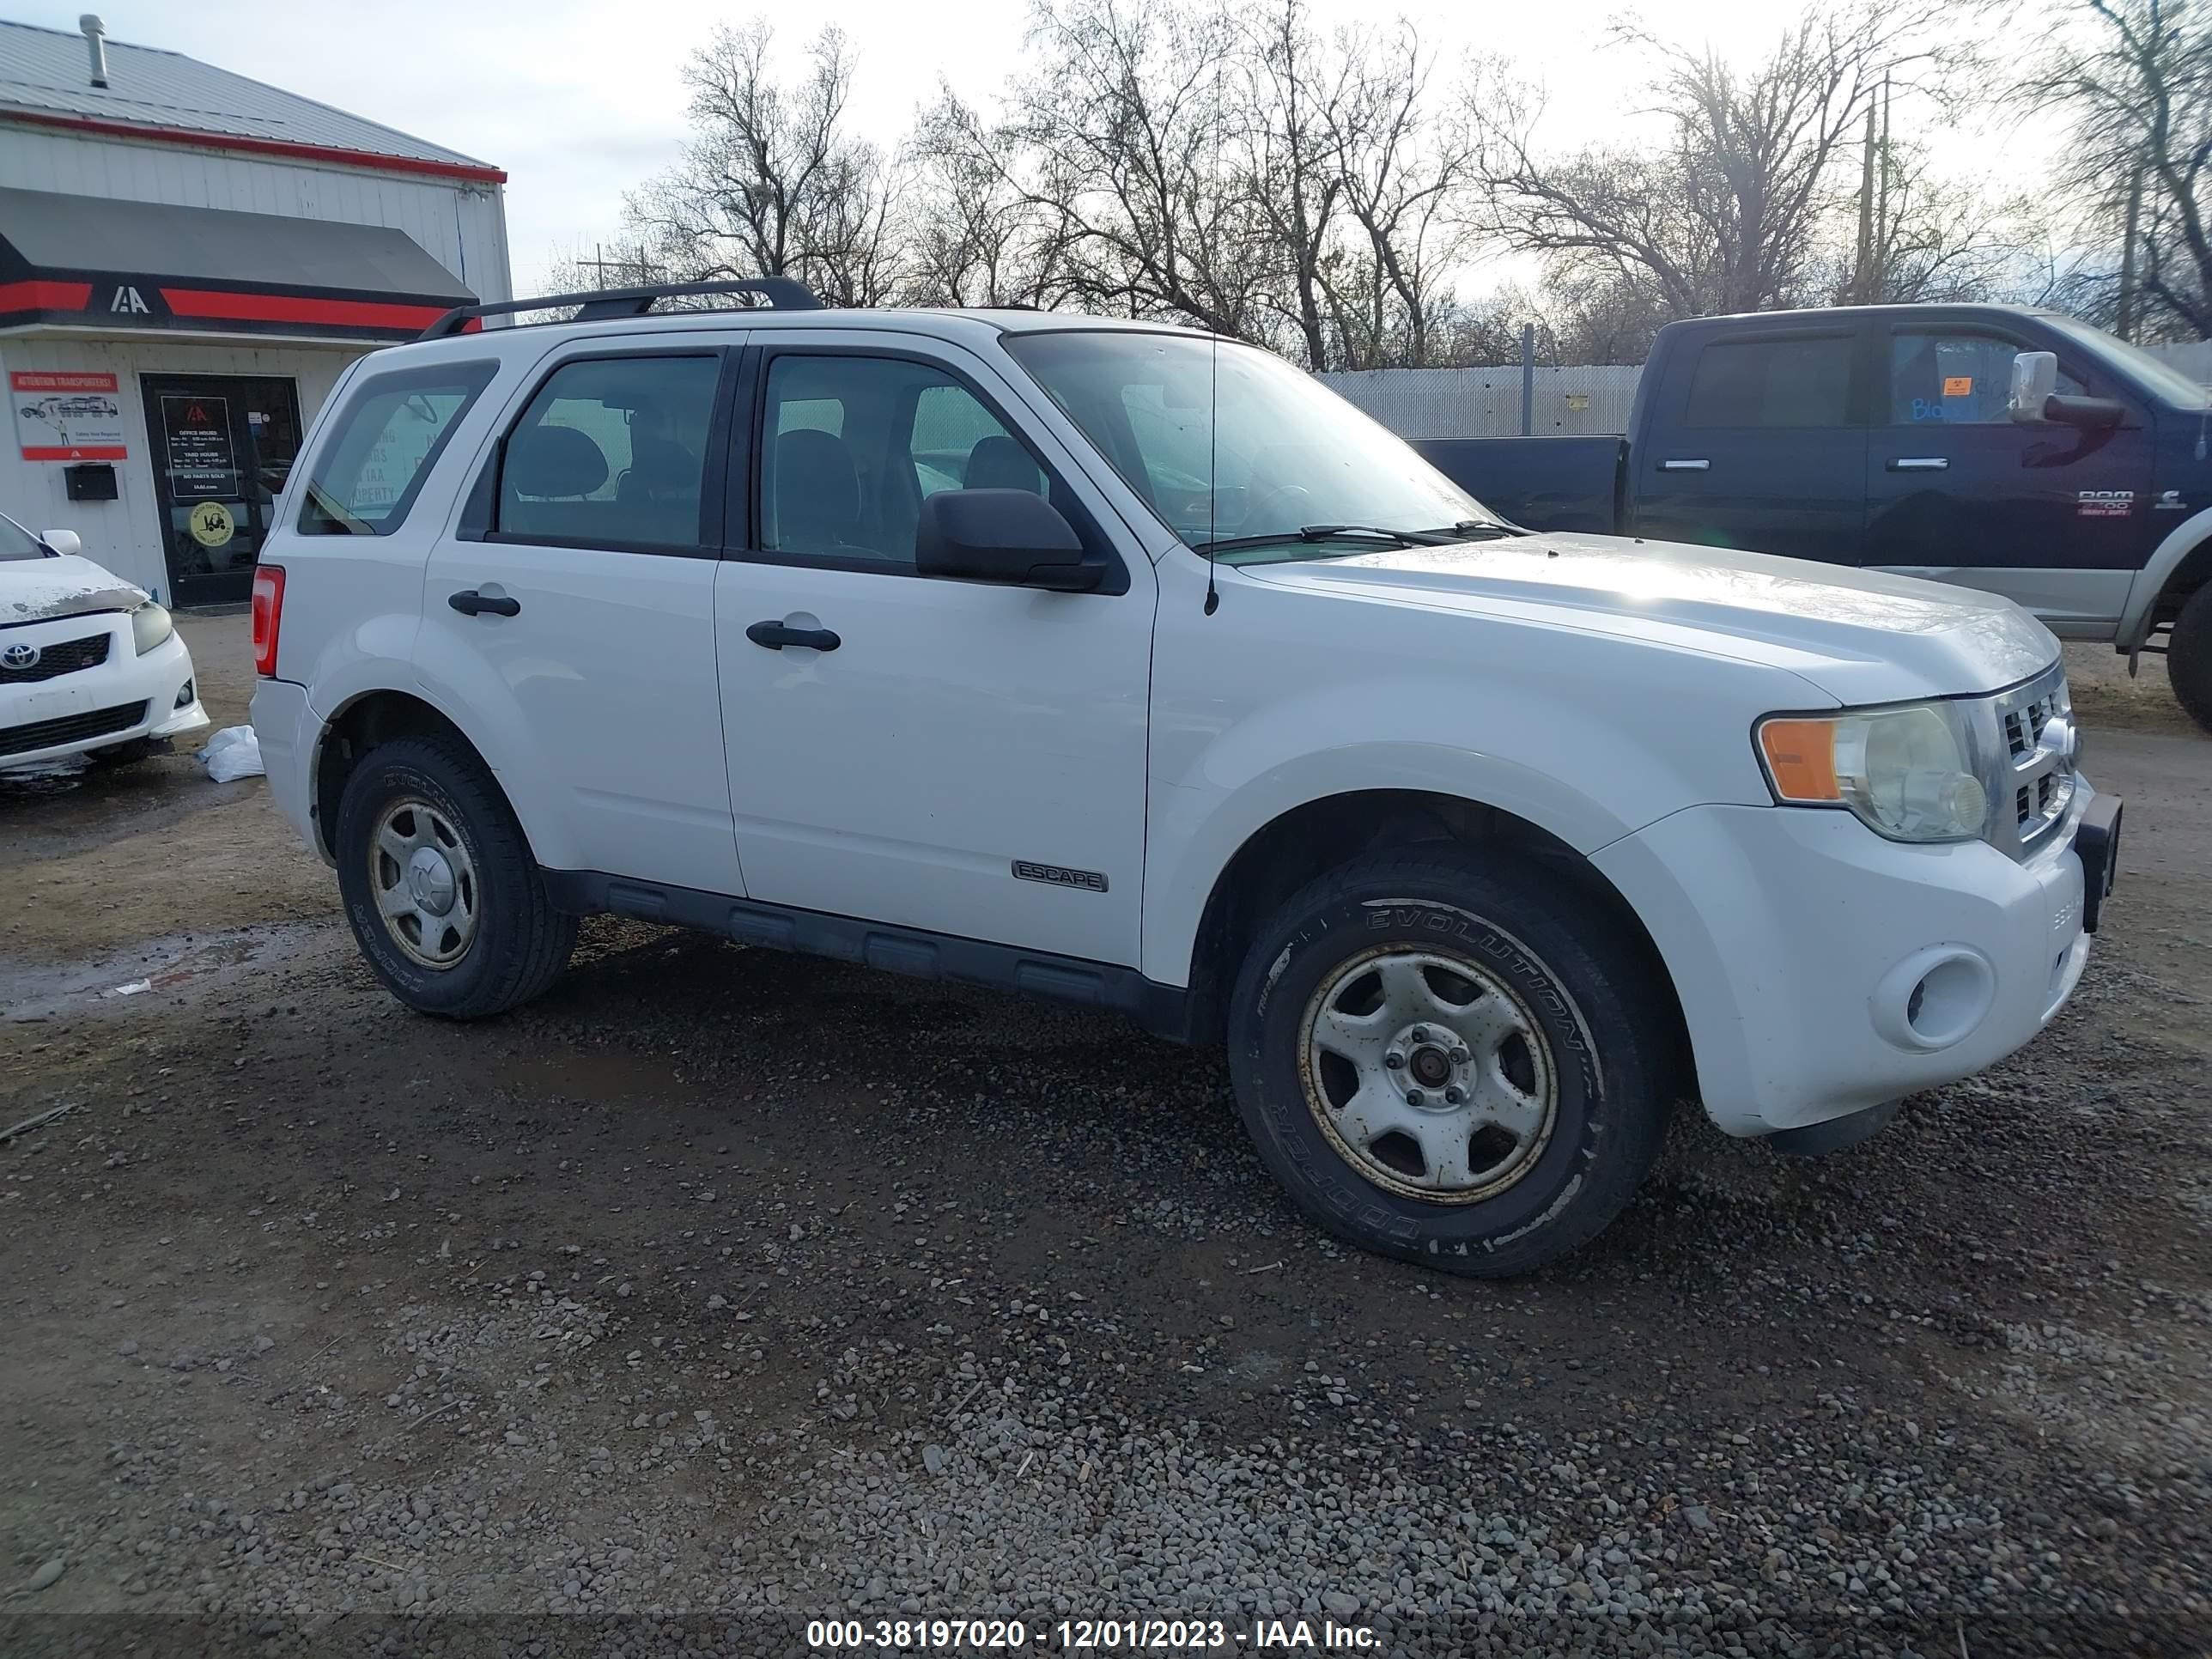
775	636
1685	466
1919	464
471	603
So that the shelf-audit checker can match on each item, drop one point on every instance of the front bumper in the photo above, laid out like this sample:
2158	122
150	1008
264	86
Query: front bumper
1798	940
116	702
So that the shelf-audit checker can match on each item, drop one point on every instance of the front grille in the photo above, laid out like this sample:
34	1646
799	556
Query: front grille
2035	771
55	660
70	728
2024	726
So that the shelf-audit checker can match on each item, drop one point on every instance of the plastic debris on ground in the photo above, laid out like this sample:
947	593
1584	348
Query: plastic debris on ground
232	753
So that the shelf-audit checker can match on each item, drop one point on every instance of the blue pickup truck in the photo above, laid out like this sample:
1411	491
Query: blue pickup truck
1997	446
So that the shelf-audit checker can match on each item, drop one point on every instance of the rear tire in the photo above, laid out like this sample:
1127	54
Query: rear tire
1453	1056
2188	657
442	894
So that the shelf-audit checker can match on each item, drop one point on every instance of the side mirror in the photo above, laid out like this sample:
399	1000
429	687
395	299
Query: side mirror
2034	378
1011	537
64	542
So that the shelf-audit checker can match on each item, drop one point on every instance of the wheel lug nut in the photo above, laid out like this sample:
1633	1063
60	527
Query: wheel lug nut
1455	1096
1415	1097
1394	1060
1459	1057
1421	1034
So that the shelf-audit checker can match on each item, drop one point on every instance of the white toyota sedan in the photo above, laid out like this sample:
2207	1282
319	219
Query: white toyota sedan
91	667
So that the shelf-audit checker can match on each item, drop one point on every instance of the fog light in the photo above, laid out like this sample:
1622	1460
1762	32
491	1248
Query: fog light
1933	998
183	695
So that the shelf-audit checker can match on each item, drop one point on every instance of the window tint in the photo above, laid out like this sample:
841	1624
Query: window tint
1784	382
611	452
1962	378
857	443
383	447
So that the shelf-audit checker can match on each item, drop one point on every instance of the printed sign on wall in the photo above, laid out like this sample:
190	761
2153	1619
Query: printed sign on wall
66	416
196	431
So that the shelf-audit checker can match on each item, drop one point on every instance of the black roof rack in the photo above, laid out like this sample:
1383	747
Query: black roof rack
781	293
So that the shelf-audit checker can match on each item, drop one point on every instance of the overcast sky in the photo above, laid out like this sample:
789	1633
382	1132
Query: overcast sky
578	99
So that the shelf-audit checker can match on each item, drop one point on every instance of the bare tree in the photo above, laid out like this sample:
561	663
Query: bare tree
1120	137
772	184
1406	174
1727	215
1290	120
1939	239
2134	80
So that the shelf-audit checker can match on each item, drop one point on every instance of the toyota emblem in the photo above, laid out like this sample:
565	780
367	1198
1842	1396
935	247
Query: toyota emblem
20	658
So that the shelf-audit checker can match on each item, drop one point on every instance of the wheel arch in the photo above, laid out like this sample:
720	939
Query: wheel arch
2180	564
1308	840
370	718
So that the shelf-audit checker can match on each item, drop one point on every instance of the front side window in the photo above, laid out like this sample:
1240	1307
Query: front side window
1955	379
612	453
17	542
1796	381
383	447
851	445
1232	444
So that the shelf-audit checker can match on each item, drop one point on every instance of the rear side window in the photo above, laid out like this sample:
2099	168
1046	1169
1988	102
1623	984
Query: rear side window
1795	382
385	441
612	453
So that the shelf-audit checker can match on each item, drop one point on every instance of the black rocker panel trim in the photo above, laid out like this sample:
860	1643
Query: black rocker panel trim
1163	1010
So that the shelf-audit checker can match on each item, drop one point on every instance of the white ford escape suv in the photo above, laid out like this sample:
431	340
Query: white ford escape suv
1113	662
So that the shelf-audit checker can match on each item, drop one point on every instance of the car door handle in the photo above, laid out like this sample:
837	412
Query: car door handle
1919	464
775	636
1685	466
470	602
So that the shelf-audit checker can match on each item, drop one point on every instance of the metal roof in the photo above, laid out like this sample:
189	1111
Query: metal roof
44	72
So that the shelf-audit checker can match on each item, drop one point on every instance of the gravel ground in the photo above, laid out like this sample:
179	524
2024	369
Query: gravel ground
722	1291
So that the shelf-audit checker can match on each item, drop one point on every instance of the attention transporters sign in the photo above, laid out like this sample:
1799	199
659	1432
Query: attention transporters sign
65	417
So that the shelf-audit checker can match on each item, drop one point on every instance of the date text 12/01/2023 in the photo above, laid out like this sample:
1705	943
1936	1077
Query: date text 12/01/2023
1090	1635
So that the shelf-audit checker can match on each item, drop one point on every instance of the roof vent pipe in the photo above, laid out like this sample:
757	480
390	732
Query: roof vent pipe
96	43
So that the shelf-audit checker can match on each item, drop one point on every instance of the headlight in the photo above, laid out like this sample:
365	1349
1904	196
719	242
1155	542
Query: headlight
1907	772
150	626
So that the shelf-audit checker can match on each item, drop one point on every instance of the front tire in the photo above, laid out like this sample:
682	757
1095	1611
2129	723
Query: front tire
439	888
1453	1056
2188	657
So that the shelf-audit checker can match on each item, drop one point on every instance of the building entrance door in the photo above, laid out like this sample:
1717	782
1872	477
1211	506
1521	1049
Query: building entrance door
223	446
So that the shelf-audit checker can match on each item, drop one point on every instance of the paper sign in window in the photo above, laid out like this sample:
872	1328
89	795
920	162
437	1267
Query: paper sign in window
1957	385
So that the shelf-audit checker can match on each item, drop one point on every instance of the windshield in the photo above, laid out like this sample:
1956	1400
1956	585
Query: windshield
1247	450
2154	374
17	542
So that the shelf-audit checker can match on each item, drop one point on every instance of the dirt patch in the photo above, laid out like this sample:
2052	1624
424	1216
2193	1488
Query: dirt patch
737	1290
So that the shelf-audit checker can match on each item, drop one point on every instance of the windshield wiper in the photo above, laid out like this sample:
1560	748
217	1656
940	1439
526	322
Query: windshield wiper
1466	530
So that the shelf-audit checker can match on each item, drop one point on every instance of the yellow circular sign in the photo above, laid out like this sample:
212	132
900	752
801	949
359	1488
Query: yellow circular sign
212	525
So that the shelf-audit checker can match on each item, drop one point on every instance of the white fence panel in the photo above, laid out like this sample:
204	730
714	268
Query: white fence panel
2194	359
1486	402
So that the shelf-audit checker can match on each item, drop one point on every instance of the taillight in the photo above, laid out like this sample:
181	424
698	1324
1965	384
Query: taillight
268	614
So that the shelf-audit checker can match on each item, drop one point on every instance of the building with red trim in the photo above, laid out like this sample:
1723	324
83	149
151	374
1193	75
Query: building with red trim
189	259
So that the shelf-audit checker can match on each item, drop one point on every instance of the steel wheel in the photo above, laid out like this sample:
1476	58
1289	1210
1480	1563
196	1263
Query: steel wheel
1429	1077
424	882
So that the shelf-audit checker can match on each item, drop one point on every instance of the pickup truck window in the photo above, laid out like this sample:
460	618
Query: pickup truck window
1954	377
2162	379
1793	380
1228	442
